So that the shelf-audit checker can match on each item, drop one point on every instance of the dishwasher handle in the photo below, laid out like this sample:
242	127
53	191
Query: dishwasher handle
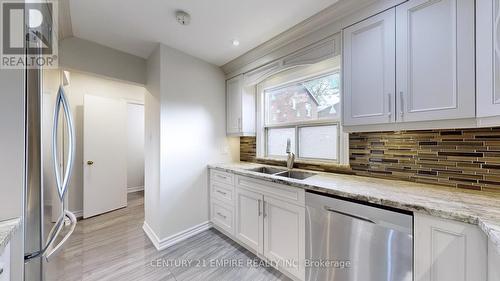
329	209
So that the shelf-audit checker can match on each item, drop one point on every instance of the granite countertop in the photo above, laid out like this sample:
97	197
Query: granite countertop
474	207
7	230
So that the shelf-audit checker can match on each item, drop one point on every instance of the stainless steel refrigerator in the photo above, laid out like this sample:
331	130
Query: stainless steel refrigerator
43	238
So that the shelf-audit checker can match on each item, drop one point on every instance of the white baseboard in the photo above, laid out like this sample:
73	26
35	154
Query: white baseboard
135	189
161	244
78	214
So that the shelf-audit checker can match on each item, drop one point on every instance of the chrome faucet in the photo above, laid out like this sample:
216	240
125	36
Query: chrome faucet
291	155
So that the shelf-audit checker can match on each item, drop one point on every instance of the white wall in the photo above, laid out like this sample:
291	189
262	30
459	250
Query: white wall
12	153
135	146
192	135
152	142
80	85
89	57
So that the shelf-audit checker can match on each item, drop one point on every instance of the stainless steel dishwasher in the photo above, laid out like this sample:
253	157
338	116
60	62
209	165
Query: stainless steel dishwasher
349	241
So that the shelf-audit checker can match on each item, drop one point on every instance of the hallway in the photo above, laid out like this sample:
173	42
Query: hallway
113	246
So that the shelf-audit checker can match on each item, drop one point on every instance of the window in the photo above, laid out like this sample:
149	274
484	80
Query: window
317	99
306	112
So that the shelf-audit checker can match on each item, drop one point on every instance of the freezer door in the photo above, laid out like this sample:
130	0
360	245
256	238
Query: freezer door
346	241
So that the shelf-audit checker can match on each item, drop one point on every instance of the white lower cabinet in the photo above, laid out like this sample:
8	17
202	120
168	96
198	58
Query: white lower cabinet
272	228
493	262
249	219
448	251
284	235
222	216
5	264
222	201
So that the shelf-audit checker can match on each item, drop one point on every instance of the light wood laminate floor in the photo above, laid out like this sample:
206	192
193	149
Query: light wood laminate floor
113	246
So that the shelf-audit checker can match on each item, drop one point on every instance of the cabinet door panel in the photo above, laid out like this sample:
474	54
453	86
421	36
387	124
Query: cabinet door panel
222	216
488	58
369	70
448	251
233	104
284	235
493	262
5	263
435	60
249	219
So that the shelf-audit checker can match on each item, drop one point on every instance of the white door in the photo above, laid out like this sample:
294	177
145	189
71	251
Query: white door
249	218
369	71
448	251
284	235
105	155
488	58
233	104
435	60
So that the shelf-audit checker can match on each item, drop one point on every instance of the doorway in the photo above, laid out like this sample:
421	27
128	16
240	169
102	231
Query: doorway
110	102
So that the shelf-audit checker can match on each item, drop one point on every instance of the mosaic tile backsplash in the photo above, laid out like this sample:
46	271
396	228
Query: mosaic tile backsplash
462	158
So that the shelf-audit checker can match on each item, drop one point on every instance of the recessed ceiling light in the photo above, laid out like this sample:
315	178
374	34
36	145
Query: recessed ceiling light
236	42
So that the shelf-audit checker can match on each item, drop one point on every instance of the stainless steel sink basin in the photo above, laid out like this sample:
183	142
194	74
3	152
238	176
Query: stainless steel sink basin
267	170
299	175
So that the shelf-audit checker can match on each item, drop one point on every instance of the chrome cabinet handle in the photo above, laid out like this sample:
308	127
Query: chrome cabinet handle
264	209
260	212
389	111
401	103
349	215
497	23
222	192
1	269
221	177
221	215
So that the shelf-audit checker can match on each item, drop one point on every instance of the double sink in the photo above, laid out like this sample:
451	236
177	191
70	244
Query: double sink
299	175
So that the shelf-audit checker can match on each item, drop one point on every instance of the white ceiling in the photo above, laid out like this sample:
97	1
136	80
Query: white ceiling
134	26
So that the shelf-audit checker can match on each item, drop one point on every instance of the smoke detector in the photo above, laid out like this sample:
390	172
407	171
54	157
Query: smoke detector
182	17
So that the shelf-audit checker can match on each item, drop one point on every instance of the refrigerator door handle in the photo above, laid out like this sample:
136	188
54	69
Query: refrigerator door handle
52	250
48	250
61	100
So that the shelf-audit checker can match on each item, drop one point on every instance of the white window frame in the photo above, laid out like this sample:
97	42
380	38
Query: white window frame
292	77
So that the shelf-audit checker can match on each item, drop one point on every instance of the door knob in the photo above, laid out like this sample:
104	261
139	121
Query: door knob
90	163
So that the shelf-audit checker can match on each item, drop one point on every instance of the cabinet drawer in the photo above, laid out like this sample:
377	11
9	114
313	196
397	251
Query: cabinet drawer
222	177
222	192
222	216
287	193
5	264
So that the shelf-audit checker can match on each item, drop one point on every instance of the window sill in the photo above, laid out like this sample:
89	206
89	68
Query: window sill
306	162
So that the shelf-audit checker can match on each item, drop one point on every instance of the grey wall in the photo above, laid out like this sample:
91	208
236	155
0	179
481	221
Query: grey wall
86	56
187	102
135	146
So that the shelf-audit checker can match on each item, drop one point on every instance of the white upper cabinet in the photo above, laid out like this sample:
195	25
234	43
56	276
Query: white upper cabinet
240	108
488	57
413	63
435	60
369	71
